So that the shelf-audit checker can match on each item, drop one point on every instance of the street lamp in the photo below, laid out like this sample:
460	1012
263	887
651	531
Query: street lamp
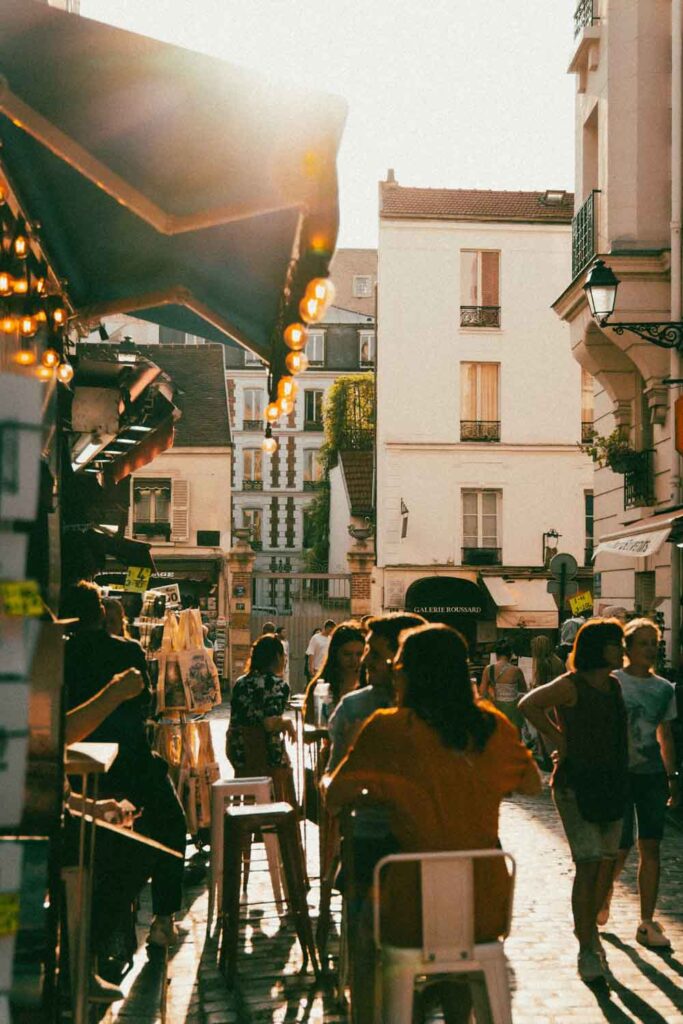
550	542
601	292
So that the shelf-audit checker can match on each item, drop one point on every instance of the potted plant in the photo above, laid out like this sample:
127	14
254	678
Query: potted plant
613	451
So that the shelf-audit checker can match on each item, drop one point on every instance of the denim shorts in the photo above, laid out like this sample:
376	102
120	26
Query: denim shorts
647	799
588	840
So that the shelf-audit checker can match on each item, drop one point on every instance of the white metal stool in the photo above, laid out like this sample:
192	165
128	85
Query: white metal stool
448	945
258	790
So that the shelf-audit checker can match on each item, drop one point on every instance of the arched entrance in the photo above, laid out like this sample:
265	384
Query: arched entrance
448	599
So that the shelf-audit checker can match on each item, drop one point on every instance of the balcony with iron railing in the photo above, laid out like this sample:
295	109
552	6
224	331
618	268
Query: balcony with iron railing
584	16
639	480
144	528
252	424
584	231
482	556
252	485
480	316
480	430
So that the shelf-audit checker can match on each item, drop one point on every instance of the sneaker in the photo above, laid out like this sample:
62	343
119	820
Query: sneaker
101	991
162	932
652	935
590	966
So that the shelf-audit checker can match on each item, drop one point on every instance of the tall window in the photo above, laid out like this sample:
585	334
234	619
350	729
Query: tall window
152	507
254	399
586	405
479	288
313	410
362	286
479	402
253	469
315	348
480	527
312	469
588	525
367	348
252	519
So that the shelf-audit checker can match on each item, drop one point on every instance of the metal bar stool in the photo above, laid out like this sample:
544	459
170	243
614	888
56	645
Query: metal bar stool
240	824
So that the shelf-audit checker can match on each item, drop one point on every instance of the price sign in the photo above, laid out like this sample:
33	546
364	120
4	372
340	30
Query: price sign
581	602
20	598
9	913
137	579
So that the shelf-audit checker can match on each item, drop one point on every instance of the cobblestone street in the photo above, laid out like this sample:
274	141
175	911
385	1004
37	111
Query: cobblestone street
646	987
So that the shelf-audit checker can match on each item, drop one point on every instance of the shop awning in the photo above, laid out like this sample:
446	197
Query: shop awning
524	603
438	596
644	538
167	183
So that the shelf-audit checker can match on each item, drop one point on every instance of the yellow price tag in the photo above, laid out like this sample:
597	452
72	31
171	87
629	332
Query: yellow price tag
9	913
581	602
137	579
20	598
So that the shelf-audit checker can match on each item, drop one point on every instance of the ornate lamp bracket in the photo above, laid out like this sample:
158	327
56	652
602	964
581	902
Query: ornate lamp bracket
665	334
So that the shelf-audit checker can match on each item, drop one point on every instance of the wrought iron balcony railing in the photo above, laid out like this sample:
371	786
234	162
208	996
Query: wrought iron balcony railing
639	480
160	528
482	556
584	15
252	485
587	431
583	234
480	430
252	424
480	316
313	424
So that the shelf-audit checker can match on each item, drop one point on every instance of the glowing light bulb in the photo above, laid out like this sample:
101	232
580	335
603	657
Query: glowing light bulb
269	445
59	316
322	289
25	357
20	245
50	358
272	412
287	388
296	362
6	284
311	309
65	372
285	406
295	337
8	324
44	373
20	286
28	325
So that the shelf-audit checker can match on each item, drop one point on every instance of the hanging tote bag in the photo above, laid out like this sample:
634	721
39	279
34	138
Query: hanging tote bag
172	692
197	668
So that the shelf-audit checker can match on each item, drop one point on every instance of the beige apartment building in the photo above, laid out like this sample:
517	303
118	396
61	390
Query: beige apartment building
627	203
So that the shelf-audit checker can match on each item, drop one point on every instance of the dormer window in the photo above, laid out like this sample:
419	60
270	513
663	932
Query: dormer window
554	196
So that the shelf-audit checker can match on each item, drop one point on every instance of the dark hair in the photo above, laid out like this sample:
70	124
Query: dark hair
590	642
268	628
264	652
503	649
329	623
345	633
439	688
390	627
83	601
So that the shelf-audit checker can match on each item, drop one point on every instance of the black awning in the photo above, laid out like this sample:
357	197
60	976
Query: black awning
437	597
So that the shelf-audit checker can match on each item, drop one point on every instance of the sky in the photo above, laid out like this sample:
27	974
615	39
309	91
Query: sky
449	93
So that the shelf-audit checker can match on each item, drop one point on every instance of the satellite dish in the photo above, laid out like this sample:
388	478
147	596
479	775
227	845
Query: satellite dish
563	565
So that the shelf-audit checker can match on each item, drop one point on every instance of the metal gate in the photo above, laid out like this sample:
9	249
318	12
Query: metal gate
301	602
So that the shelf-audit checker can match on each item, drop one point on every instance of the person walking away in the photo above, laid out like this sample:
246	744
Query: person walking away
441	761
653	781
316	652
503	684
587	735
91	658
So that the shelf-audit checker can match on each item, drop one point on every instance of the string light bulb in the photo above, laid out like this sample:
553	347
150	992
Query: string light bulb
287	388
295	337
50	358
65	373
28	325
59	316
285	406
296	362
272	412
6	284
20	241
311	309
8	324
24	356
322	289
44	373
269	444
20	286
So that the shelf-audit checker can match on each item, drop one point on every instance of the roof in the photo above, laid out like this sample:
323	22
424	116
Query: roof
474	204
358	473
201	395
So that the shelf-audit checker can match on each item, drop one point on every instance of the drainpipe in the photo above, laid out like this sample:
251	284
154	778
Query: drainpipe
675	366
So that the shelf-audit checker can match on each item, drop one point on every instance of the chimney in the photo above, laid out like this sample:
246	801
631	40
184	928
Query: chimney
391	178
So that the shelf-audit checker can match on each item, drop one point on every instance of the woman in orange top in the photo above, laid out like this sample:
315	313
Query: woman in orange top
442	761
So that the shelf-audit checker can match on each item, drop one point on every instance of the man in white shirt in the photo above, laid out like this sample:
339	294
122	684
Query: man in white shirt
316	652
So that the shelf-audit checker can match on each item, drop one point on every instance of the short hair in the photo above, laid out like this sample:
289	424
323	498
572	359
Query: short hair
83	601
590	642
503	649
268	627
264	652
389	627
329	624
632	627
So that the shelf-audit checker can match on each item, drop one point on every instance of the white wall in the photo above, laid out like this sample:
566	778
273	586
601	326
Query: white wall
340	517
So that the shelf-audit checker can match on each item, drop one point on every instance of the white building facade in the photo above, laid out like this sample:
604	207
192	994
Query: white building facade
479	406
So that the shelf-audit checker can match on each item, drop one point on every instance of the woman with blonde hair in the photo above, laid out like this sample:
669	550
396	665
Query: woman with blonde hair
545	664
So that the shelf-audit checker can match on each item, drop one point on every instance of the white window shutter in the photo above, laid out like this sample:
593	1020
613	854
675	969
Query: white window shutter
180	514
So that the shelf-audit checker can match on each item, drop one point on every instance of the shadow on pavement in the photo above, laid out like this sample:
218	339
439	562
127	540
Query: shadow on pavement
670	989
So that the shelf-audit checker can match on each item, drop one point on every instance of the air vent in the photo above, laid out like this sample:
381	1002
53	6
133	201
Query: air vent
208	538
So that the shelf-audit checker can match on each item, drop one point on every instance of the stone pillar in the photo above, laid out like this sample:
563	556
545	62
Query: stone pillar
241	560
361	559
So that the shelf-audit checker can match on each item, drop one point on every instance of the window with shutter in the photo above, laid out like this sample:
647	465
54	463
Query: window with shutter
180	510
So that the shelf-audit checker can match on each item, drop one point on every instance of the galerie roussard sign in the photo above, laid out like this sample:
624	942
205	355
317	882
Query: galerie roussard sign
444	595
